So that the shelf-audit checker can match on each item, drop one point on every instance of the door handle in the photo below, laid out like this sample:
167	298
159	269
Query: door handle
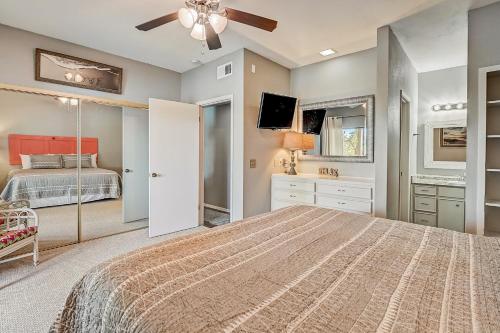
128	170
154	174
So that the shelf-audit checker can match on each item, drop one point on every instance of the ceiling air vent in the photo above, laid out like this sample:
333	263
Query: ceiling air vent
224	70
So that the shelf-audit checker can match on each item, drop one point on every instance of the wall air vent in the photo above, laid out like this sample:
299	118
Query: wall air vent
224	70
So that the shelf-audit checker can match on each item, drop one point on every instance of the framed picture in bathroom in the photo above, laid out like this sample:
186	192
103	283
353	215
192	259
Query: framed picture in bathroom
454	137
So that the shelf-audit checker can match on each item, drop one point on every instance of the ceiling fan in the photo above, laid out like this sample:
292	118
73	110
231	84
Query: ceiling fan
207	20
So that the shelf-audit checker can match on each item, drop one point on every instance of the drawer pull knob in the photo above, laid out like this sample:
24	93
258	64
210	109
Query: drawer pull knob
292	196
424	204
425	221
458	205
292	185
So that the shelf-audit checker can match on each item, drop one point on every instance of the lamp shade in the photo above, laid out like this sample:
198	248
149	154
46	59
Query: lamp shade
298	141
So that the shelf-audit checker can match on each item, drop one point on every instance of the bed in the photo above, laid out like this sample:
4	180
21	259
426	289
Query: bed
55	187
298	269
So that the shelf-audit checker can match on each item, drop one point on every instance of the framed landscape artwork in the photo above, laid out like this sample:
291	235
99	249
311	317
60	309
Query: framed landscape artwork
454	137
67	70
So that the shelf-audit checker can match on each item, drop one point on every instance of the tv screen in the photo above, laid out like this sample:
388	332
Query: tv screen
312	121
276	112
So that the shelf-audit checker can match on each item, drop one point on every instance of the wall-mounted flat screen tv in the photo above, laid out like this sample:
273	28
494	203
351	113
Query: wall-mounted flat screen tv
276	111
312	121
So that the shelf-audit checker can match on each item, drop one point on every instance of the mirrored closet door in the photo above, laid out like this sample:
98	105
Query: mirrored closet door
35	133
114	170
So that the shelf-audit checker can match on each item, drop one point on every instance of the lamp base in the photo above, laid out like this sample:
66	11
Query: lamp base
292	171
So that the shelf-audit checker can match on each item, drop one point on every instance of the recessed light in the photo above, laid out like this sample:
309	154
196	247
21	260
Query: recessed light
328	52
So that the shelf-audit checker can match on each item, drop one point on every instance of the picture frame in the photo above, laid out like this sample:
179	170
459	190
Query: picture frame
453	137
58	68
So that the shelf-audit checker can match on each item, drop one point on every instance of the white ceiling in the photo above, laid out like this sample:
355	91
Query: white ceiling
436	38
304	29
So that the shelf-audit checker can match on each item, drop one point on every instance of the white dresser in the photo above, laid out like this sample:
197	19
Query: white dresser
353	194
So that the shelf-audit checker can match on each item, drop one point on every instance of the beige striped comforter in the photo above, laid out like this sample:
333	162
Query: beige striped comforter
299	269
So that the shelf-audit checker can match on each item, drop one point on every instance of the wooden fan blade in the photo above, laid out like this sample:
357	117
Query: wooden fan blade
251	19
157	22
213	40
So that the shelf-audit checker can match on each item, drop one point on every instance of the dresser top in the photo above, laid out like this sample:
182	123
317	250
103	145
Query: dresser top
326	178
438	180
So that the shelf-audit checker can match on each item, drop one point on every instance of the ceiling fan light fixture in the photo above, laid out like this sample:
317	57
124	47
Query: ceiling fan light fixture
187	17
198	32
218	22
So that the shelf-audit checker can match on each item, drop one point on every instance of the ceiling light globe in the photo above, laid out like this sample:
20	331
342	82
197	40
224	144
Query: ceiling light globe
218	22
436	107
448	107
198	32
460	106
187	17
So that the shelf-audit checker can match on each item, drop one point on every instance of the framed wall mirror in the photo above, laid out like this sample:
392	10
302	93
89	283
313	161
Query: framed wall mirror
445	144
342	129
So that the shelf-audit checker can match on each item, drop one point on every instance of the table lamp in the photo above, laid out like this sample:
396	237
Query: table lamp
297	141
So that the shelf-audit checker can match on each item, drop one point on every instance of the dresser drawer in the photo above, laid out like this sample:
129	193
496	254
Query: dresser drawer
277	204
355	192
425	219
425	204
344	204
294	185
425	190
294	196
452	192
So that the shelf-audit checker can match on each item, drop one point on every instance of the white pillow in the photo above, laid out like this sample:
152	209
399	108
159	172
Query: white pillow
25	161
94	160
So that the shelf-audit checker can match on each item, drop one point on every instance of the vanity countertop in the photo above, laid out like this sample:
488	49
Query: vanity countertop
341	179
438	180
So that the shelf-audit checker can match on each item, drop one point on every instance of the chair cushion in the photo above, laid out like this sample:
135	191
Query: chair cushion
13	236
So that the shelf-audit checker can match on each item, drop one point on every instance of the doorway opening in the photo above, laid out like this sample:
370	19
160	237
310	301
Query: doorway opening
404	160
216	160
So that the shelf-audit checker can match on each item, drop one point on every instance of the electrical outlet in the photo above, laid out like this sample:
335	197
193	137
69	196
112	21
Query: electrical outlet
253	69
253	163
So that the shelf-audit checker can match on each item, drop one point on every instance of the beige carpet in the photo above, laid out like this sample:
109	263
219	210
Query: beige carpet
59	226
30	298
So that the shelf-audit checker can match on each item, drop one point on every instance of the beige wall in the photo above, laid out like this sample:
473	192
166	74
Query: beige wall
41	115
262	145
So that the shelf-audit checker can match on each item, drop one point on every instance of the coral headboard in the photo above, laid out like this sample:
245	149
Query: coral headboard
39	144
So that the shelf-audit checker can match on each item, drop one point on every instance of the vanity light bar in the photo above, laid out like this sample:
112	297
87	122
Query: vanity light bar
449	107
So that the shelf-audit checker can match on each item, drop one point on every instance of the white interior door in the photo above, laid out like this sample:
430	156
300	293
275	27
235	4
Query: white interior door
135	165
174	166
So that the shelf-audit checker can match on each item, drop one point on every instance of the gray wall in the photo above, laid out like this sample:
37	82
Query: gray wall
347	76
200	84
263	145
140	81
401	76
439	87
41	115
217	150
484	51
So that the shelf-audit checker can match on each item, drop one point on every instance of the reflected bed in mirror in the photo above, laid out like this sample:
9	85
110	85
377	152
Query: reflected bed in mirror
342	129
445	144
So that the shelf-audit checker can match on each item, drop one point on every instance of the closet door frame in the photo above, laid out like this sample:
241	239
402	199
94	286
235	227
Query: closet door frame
234	208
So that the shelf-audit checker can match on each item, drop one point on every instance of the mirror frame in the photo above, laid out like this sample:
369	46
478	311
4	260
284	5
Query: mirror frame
370	113
429	162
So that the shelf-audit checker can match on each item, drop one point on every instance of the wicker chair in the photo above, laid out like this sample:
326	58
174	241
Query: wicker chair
18	228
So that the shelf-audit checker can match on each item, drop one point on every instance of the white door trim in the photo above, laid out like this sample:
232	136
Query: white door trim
234	215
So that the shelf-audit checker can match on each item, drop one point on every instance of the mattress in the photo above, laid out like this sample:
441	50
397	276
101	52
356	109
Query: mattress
298	269
54	187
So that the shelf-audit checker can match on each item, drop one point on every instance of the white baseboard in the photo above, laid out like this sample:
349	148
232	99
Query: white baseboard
220	209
